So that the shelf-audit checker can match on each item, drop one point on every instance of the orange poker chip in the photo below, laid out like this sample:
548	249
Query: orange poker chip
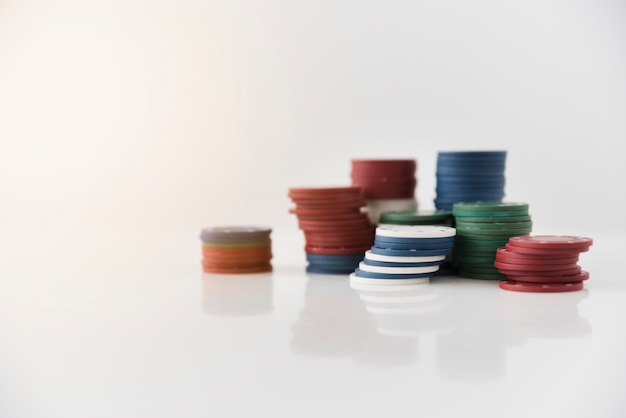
238	270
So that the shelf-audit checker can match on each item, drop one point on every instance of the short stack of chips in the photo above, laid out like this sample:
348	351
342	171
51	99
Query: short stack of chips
481	228
404	254
388	185
542	263
236	249
467	176
337	231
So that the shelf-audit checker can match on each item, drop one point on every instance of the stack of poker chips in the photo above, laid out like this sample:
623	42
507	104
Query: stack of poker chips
481	228
388	185
404	254
236	249
337	231
542	263
467	176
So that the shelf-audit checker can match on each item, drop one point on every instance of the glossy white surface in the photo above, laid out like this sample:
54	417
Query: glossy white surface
125	325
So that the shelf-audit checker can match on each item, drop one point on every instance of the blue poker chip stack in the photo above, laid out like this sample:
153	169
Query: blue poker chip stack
404	254
469	176
332	263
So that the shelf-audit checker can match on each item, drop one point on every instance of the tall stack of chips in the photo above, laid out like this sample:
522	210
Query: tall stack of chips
542	263
467	176
388	185
404	254
481	228
236	249
336	230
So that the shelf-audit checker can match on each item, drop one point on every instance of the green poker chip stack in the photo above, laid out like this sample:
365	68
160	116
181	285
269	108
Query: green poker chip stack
482	228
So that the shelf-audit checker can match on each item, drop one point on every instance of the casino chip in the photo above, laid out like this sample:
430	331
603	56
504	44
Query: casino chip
388	185
404	254
482	228
542	263
336	229
236	250
466	176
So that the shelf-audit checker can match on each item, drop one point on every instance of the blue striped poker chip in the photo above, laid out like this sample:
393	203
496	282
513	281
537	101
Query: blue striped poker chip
409	253
371	275
394	246
414	241
454	170
472	154
334	259
328	270
394	264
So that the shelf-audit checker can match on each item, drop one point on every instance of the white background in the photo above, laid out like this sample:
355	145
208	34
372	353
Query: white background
127	126
138	115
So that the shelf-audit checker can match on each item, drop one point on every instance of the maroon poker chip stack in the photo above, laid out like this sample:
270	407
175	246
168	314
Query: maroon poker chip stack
388	185
336	229
542	263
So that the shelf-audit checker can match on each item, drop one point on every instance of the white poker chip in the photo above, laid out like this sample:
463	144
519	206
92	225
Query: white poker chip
397	270
415	231
398	259
387	282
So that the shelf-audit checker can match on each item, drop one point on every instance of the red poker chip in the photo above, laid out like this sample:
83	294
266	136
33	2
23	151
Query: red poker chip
324	211
392	168
359	224
582	276
347	204
553	242
533	267
541	251
540	287
519	272
334	217
323	192
505	256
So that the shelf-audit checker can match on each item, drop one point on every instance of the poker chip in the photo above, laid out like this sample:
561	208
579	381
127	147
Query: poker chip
409	252
542	263
398	264
415	231
387	184
369	255
336	229
469	176
540	287
354	279
236	249
416	217
477	240
506	256
397	270
577	277
553	242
